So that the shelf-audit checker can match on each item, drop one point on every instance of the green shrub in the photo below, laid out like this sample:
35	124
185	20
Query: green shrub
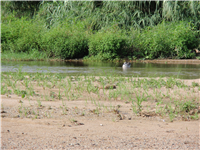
187	106
168	40
108	44
185	40
69	38
21	35
65	41
9	31
31	36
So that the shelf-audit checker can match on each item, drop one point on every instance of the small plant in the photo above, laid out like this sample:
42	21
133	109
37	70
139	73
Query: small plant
23	93
72	120
194	84
195	116
33	112
97	111
171	112
2	107
20	110
171	116
83	113
25	112
139	100
39	103
187	106
36	116
64	110
4	90
134	107
59	95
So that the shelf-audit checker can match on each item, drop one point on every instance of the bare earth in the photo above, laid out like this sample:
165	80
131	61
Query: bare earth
79	127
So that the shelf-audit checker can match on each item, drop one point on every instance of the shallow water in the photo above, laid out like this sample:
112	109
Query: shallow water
183	71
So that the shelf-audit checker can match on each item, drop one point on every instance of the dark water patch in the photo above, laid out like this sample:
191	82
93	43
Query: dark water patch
183	71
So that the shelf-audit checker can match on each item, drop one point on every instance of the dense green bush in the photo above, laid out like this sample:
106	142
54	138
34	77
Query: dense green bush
65	41
9	32
167	40
108	44
185	39
31	36
20	35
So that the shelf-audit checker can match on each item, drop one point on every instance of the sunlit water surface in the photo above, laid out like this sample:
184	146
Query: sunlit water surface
183	71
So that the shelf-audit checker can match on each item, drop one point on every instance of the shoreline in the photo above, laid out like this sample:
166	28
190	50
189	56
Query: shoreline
159	61
174	61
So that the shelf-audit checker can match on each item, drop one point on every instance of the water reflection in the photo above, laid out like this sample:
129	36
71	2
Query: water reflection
185	71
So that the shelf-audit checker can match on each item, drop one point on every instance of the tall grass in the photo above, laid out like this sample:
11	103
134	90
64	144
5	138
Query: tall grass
126	14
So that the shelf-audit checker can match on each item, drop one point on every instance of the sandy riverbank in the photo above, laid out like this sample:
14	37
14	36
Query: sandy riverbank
82	124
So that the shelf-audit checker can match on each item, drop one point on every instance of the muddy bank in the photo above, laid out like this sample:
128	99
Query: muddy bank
161	61
173	61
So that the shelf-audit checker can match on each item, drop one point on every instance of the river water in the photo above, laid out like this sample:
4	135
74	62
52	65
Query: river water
183	71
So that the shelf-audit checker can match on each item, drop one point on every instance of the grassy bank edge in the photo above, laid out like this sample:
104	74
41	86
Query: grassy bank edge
41	57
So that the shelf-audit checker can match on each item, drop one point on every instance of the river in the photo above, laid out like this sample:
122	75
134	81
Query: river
182	71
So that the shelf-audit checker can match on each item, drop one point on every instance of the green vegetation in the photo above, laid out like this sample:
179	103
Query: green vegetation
165	97
168	40
100	30
108	44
